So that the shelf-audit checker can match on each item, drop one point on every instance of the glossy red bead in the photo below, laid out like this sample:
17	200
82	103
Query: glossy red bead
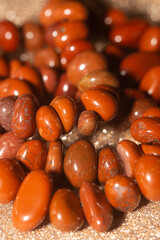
153	112
49	78
151	149
114	17
97	210
33	154
146	130
147	174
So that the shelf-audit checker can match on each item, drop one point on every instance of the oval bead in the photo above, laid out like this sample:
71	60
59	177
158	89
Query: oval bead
151	149
101	77
147	175
14	87
66	110
48	123
11	176
87	123
33	154
122	193
61	33
114	17
146	130
54	163
4	71
128	153
24	116
150	83
150	40
65	211
32	201
80	163
136	64
101	102
84	63
97	210
108	165
9	145
6	111
129	33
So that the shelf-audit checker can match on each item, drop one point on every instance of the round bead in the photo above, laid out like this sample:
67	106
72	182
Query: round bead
83	63
80	163
122	193
65	211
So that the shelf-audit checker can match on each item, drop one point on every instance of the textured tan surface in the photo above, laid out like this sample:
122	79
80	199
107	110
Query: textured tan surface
144	223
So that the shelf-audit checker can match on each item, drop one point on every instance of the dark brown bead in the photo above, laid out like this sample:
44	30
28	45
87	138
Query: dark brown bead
65	211
97	210
87	123
6	111
80	163
122	193
107	165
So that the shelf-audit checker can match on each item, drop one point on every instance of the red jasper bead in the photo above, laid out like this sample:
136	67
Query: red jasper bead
9	145
32	201
14	87
65	87
128	34
9	39
128	153
147	174
139	107
83	63
32	154
33	36
150	40
76	168
122	193
6	111
59	34
151	149
11	176
65	210
150	83
114	17
153	112
101	102
72	49
24	114
146	130
87	123
137	64
54	163
66	110
63	11
49	78
96	208
108	165
46	57
48	123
